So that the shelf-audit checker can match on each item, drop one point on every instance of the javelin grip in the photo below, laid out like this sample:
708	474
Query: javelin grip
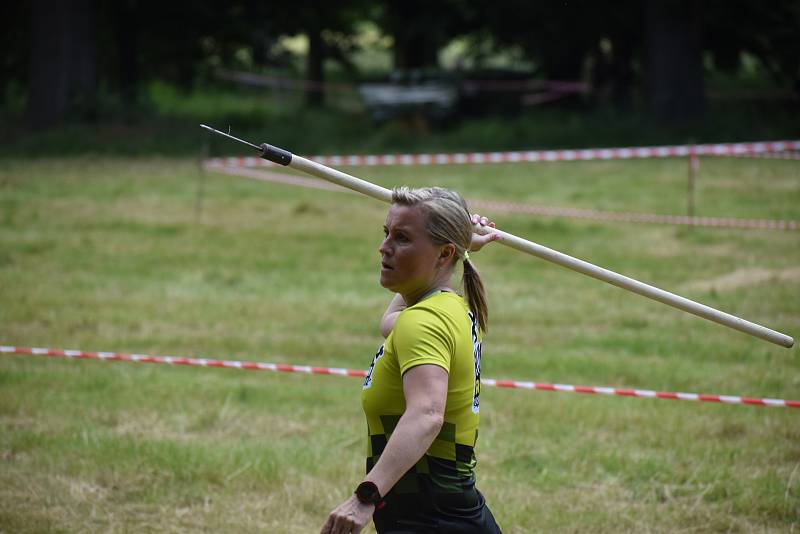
275	154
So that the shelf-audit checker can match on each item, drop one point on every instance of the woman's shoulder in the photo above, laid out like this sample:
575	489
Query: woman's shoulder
445	309
444	302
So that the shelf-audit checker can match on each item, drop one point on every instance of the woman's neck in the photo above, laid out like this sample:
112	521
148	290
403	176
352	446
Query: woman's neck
416	297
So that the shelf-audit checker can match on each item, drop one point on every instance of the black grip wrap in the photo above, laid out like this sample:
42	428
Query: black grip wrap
275	154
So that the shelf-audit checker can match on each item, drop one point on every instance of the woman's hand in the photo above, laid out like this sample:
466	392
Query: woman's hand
391	314
478	241
350	516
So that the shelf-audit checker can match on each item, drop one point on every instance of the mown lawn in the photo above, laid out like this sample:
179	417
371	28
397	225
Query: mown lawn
118	254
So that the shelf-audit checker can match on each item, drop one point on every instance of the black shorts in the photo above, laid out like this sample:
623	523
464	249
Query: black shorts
407	514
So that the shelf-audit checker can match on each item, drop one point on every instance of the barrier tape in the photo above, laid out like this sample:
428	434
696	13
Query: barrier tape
550	211
474	158
339	371
578	213
789	154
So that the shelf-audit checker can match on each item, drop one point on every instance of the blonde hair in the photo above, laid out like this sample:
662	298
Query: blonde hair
448	221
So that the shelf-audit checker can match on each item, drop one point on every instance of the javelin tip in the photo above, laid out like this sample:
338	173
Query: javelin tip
229	136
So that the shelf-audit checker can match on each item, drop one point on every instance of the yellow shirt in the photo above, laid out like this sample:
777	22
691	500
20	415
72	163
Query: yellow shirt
439	330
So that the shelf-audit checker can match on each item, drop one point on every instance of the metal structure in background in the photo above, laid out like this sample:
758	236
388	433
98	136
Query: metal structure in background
286	158
427	95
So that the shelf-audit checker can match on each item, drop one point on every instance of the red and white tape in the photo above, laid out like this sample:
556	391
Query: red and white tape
533	156
308	369
533	209
789	155
617	216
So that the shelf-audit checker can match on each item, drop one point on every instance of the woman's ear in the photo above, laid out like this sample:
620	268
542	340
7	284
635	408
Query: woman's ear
447	253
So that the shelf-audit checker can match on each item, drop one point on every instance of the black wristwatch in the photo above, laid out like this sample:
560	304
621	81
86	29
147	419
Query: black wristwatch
367	493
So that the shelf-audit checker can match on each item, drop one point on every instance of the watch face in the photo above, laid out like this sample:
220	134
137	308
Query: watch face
367	492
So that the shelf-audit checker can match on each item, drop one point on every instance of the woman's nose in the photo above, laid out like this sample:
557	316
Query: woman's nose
384	249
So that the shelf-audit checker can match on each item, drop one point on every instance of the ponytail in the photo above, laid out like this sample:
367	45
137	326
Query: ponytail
476	296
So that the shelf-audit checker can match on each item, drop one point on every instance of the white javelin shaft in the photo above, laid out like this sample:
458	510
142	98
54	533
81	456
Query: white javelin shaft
584	267
286	158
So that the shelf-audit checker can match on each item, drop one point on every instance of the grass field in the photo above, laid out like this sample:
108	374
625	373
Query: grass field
116	254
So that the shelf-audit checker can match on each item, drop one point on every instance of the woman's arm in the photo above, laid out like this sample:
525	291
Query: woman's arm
397	305
425	390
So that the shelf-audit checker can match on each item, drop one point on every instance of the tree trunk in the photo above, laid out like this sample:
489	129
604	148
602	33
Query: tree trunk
622	72
63	67
127	37
315	95
673	38
414	49
416	29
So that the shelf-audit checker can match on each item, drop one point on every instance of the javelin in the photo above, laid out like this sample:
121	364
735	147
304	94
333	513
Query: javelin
287	159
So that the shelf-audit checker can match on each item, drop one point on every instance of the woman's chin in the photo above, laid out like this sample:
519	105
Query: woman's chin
386	282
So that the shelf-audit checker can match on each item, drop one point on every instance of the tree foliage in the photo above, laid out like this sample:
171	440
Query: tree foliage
62	51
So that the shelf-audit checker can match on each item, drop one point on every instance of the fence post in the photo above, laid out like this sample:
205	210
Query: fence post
694	163
201	181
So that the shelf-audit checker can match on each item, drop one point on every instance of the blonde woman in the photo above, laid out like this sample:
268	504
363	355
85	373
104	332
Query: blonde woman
421	397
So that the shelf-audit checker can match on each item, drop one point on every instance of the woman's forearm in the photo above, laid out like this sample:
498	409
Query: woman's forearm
412	436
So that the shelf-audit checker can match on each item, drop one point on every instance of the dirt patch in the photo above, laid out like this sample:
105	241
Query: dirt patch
744	278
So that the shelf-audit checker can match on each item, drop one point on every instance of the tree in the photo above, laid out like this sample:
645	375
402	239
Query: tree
419	29
674	64
127	24
315	59
768	31
319	21
15	43
63	65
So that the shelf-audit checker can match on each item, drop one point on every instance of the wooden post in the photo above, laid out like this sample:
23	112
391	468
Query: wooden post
201	181
694	163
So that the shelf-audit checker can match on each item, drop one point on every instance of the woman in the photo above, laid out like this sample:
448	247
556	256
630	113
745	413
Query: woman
422	393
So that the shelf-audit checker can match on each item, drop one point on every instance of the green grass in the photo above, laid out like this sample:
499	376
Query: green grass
114	253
